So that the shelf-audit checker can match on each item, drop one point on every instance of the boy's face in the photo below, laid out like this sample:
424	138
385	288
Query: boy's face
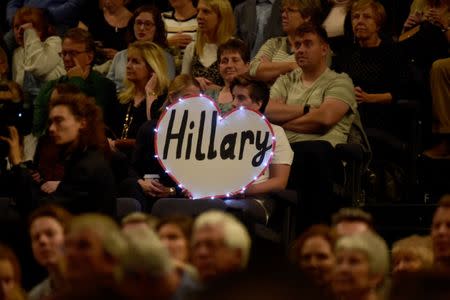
241	97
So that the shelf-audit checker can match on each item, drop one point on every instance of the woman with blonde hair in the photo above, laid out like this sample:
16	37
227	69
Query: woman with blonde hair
216	24
411	254
145	87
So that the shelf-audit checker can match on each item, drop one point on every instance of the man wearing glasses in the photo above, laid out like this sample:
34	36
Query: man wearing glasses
78	50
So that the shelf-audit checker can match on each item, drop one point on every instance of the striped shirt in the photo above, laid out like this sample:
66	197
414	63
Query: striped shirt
276	50
174	26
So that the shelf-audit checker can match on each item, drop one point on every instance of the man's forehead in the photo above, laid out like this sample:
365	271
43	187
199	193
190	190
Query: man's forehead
69	43
309	36
442	213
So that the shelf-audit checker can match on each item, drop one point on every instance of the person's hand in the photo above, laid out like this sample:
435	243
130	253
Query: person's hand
151	85
109	53
361	95
26	26
413	20
264	59
15	154
112	145
435	17
168	192
78	70
180	40
50	187
206	83
152	187
36	176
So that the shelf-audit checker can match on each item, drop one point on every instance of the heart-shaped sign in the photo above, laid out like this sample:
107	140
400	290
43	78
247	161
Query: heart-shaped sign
211	155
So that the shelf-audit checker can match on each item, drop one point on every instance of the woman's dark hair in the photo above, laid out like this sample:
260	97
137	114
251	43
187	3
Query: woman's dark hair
83	108
160	37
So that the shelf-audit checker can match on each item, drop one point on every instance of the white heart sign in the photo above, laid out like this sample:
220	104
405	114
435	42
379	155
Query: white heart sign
211	155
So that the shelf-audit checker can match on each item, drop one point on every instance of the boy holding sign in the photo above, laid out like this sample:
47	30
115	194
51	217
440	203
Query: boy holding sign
255	95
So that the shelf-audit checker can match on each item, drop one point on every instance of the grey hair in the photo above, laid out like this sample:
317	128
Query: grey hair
145	254
372	245
235	234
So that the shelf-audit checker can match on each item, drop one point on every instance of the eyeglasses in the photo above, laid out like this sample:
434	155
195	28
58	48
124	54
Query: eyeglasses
71	53
146	24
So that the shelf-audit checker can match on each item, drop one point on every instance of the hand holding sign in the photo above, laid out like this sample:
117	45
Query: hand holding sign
211	156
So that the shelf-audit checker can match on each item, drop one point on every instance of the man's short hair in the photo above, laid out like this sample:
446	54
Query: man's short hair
140	217
61	215
352	214
79	35
309	27
234	45
259	91
235	235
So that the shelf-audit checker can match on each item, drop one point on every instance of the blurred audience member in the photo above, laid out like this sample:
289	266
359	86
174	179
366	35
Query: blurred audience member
139	219
313	253
148	272
216	25
412	254
258	21
440	234
338	25
350	220
10	275
362	264
146	25
93	248
220	245
47	226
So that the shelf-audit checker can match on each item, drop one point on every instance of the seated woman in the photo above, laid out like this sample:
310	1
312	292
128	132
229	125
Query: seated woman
233	58
87	184
338	25
145	87
362	266
276	56
37	59
145	25
216	25
412	254
181	25
376	66
144	162
313	254
107	22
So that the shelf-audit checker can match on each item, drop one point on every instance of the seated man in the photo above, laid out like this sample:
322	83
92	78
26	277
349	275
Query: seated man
220	245
258	21
316	106
78	54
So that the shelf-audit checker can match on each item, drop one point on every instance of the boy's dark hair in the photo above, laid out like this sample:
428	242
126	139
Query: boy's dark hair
259	91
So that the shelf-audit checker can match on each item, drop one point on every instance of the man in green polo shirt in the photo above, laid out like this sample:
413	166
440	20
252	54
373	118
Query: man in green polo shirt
78	55
316	107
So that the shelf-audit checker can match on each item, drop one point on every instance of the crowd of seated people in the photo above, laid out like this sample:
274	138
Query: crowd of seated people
80	99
